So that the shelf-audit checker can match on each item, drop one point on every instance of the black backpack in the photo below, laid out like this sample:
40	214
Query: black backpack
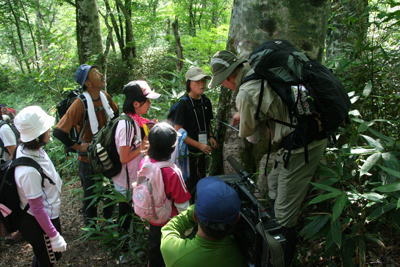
9	193
172	110
106	138
17	137
62	108
316	99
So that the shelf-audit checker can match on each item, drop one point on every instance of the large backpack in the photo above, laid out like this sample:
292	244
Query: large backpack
149	199
172	110
17	137
318	102
62	108
9	196
106	138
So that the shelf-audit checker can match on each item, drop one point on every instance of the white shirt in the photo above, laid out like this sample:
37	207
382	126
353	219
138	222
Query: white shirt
124	136
29	182
8	137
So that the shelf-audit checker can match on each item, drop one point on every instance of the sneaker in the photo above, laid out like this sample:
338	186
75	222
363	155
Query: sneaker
15	238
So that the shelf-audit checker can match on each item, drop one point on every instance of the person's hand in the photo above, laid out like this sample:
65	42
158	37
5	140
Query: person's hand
206	149
145	145
83	147
214	143
58	243
236	118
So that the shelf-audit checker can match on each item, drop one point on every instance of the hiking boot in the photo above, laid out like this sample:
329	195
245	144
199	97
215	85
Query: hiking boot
15	238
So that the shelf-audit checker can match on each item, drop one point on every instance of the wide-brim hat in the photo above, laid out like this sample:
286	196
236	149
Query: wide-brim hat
31	122
216	201
223	63
137	89
196	74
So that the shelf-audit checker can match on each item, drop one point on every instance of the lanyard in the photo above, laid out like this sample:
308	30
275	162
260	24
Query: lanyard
195	113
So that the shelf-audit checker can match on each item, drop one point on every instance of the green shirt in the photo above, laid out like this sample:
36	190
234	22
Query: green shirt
196	252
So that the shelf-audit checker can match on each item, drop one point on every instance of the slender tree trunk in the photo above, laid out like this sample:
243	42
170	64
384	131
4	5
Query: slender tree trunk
301	22
15	50
21	41
130	46
36	61
179	49
89	38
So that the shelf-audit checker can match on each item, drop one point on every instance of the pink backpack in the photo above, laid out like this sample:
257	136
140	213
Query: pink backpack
149	199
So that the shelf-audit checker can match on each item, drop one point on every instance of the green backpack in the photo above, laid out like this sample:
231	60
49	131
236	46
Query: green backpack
102	152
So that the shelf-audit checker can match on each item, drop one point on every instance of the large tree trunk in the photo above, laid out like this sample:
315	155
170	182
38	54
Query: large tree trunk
89	38
301	22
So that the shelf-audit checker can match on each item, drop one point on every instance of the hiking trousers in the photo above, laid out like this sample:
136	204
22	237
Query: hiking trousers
288	186
34	234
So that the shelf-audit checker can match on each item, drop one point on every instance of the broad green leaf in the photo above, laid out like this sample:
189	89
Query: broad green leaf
326	187
374	240
329	240
313	227
391	160
375	197
388	188
326	171
324	197
361	250
336	228
380	211
380	135
372	142
390	171
367	89
339	205
369	163
354	113
361	151
364	126
347	251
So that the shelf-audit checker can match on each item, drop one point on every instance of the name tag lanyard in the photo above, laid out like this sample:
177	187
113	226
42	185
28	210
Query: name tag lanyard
202	134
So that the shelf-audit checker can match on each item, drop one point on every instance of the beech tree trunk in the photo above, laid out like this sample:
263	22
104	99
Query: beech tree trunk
253	22
89	40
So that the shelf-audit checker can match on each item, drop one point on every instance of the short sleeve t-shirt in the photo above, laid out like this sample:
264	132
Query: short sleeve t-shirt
194	115
7	136
75	115
125	136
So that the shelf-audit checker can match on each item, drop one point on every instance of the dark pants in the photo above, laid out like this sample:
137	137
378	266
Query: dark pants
197	167
155	256
85	173
34	234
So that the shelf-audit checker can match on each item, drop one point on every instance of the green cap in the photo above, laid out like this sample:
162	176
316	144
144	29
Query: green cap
223	63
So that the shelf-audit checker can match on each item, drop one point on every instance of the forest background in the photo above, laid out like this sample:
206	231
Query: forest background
350	215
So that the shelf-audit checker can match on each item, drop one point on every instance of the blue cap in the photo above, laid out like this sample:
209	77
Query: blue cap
216	201
81	73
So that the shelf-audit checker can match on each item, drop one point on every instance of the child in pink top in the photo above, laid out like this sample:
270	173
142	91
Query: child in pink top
162	139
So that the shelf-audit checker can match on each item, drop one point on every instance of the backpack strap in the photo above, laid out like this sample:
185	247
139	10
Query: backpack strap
1	141
275	251
82	98
25	161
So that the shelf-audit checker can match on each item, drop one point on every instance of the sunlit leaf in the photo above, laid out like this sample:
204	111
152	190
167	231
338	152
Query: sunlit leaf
372	142
388	188
367	89
369	163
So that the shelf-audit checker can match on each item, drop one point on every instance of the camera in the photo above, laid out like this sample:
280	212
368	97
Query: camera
258	233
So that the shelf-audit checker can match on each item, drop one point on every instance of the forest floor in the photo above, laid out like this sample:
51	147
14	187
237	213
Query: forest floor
79	252
90	253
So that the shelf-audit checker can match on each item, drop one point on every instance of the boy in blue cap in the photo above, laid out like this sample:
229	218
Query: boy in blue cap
216	211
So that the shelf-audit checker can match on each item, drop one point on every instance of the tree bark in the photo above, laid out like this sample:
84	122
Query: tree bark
301	22
89	40
179	49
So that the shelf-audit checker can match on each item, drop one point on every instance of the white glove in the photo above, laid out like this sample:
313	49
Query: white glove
58	243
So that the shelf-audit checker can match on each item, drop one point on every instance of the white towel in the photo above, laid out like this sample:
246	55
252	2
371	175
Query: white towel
94	124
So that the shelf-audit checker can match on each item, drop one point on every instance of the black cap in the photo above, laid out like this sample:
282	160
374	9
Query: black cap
162	135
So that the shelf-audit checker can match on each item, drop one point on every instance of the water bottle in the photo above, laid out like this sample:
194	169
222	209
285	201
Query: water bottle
103	156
